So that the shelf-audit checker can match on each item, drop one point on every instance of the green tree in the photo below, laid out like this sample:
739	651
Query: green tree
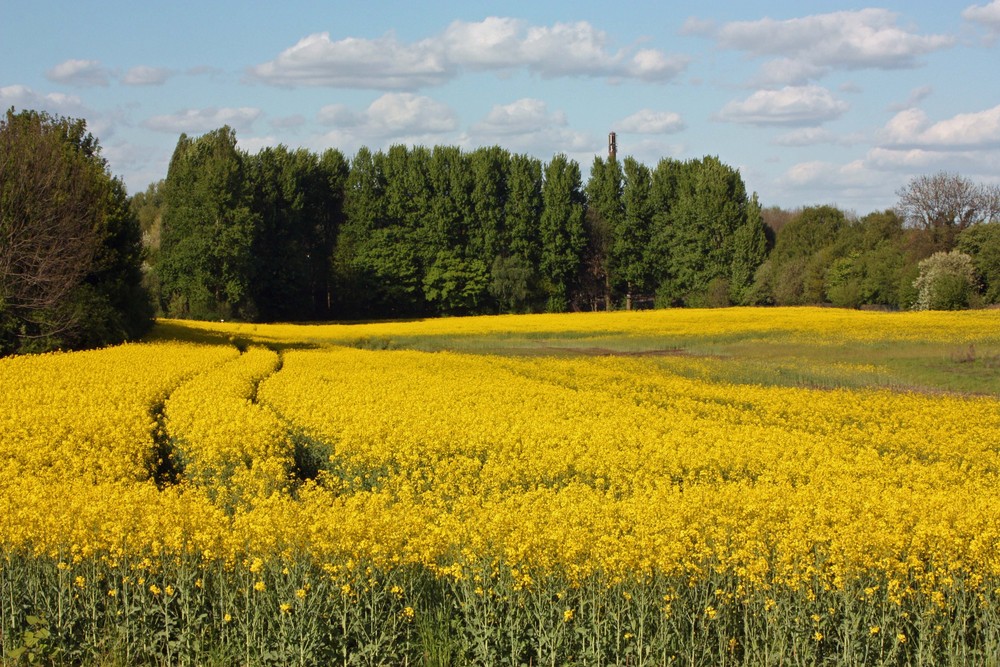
488	236
749	252
946	282
70	251
562	229
631	239
511	281
605	219
982	243
699	205
206	260
454	285
297	198
802	256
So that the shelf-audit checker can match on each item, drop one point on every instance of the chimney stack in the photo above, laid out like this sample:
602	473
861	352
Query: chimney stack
612	147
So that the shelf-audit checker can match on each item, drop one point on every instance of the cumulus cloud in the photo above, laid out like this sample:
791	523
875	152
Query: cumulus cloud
855	174
79	73
23	97
204	120
528	125
912	129
917	95
811	46
522	116
288	122
316	60
647	121
392	115
806	136
493	44
987	16
141	75
791	105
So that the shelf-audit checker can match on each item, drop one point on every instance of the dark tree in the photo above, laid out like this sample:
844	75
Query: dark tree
206	251
944	204
562	229
69	247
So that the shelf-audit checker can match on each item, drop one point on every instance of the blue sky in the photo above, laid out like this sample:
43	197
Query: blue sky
814	102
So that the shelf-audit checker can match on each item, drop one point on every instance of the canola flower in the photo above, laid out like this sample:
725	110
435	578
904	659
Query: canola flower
603	501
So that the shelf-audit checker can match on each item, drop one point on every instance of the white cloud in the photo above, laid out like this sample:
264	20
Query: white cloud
79	73
204	120
522	116
339	115
806	136
912	128
23	97
288	122
647	121
255	144
141	75
788	71
391	115
792	105
814	45
856	181
988	16
917	95
394	113
355	63
527	125
493	44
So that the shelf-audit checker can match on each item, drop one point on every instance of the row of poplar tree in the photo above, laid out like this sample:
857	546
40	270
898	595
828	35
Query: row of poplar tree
294	235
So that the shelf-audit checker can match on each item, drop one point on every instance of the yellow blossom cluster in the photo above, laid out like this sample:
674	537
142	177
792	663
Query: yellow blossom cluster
90	415
622	466
517	467
223	436
823	326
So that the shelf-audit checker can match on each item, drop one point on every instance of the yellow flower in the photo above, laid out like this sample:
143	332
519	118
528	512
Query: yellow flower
300	593
154	589
711	612
818	636
901	638
285	607
874	630
567	616
260	586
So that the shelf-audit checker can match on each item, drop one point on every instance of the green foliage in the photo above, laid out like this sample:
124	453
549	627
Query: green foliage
699	206
34	647
70	248
206	259
749	252
455	285
982	243
562	229
511	283
630	240
946	282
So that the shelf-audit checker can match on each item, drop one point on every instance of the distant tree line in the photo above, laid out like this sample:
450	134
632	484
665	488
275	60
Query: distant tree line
938	249
413	231
70	247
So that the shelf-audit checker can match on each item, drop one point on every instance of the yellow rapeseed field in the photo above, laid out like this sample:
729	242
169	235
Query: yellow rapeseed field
276	494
